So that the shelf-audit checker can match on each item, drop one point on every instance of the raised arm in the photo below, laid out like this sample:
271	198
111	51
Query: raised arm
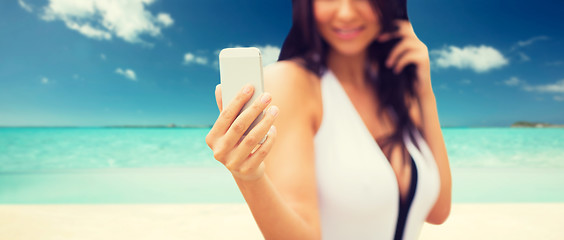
283	199
434	138
284	202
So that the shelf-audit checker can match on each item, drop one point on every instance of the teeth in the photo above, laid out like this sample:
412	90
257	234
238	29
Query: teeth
348	31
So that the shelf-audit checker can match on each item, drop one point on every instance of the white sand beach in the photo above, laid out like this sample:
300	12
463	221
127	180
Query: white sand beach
234	221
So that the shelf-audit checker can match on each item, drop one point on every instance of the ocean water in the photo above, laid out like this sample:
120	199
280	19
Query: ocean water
173	165
505	147
32	149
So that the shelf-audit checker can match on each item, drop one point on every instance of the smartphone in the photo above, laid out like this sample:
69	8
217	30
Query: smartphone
238	67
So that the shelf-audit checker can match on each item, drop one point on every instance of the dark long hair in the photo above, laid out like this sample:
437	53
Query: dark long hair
304	42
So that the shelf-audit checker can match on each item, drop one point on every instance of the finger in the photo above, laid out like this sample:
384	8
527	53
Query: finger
256	135
404	30
245	119
398	50
404	61
257	157
218	99
228	115
250	145
404	26
387	36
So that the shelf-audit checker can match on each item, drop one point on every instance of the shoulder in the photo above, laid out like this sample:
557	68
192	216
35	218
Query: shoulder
289	74
295	88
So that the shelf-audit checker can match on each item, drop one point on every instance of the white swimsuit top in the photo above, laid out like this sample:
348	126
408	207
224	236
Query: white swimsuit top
357	187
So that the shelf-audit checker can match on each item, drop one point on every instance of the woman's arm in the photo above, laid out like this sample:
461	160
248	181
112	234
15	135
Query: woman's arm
284	201
434	138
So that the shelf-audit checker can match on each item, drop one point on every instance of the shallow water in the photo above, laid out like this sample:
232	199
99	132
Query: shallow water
106	165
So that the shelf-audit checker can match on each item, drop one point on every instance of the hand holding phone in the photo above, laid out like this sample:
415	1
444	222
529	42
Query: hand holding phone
236	136
239	67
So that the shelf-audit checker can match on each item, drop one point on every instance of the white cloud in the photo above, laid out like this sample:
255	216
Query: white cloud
551	88
557	87
190	58
103	56
524	57
89	31
480	59
513	81
128	73
44	80
25	6
103	19
529	41
165	19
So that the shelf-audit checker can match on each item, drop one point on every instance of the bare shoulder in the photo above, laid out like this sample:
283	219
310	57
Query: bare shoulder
293	85
289	75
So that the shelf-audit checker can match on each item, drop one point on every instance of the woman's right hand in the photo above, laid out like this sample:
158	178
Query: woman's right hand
238	156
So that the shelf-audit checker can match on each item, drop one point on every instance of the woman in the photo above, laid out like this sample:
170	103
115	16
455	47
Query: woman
354	147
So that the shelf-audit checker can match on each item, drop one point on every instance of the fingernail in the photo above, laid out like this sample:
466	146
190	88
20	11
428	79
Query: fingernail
265	98
273	111
272	130
247	89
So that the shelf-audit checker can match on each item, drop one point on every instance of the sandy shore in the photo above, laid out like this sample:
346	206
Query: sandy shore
234	221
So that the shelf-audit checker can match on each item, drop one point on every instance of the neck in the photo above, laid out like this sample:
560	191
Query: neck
349	69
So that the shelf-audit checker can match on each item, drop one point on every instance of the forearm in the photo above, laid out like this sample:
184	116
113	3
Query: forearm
433	134
275	218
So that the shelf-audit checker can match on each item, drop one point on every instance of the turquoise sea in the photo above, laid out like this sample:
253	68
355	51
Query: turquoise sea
174	165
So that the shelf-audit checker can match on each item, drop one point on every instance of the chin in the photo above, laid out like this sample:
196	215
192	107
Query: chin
349	50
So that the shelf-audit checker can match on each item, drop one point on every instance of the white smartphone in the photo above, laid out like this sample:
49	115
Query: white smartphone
238	67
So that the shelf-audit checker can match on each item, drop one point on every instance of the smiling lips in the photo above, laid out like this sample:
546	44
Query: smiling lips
348	33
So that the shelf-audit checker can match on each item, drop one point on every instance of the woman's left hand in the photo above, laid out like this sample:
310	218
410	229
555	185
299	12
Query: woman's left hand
409	50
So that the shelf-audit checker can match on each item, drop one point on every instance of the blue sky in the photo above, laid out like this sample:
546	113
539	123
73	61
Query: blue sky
99	62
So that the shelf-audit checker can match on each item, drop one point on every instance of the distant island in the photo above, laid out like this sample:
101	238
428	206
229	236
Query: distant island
524	124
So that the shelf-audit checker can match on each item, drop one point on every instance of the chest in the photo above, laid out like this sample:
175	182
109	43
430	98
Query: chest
379	125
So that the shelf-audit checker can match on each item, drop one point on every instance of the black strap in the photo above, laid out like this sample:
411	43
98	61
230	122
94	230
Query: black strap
405	206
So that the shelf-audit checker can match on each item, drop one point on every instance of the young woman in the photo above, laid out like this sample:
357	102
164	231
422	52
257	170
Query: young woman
354	148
